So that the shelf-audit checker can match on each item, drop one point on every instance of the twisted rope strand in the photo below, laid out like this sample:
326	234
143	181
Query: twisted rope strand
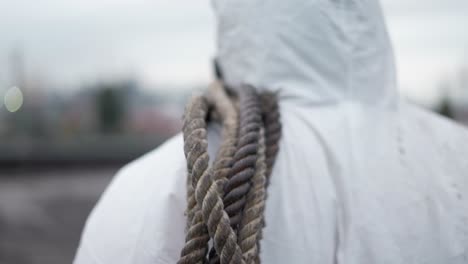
226	111
271	120
228	114
243	169
195	148
245	157
224	237
252	220
226	201
209	205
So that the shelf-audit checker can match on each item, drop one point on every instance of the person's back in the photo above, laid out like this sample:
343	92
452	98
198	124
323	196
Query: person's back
360	177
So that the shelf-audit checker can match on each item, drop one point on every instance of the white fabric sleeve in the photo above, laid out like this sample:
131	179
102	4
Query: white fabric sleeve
140	217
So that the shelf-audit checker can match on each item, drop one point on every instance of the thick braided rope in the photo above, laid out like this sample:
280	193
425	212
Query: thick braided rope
217	98
272	132
250	230
225	110
229	117
195	149
271	120
243	169
205	188
195	109
207	196
222	246
252	222
252	219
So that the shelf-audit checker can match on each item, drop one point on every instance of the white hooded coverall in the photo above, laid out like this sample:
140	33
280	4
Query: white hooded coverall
361	177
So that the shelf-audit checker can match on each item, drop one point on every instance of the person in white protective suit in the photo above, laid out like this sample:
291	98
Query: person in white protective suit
360	178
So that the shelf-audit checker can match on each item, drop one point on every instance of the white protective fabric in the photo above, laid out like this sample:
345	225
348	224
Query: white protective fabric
361	178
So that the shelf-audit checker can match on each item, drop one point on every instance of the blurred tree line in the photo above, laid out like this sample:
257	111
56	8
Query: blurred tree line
110	105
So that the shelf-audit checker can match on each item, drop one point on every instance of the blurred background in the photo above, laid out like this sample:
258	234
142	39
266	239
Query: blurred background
87	86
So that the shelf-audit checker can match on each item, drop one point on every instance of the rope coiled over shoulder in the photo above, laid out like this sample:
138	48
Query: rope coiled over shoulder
226	200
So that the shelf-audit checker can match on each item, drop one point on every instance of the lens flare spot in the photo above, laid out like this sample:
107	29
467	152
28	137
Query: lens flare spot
13	99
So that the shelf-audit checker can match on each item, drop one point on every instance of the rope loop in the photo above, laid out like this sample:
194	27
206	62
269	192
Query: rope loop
226	200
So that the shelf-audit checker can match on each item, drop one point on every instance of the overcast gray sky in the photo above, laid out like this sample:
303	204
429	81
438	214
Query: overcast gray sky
172	41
